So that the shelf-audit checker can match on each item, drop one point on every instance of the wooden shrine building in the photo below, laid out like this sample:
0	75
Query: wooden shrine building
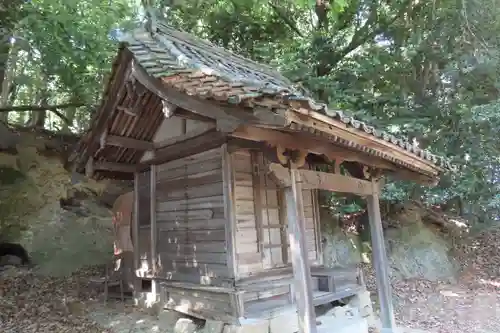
225	154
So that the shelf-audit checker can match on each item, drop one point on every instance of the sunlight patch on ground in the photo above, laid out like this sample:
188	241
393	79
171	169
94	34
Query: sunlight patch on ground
126	319
492	283
449	293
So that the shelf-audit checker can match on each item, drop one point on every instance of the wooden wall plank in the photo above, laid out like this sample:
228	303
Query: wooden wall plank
194	235
191	169
196	270
198	258
210	224
190	214
211	306
187	181
193	159
206	190
212	202
191	220
189	247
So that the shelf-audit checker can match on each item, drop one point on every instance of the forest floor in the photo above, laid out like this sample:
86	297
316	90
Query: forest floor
32	303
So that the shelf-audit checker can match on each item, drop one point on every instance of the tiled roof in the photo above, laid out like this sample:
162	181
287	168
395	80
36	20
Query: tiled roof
177	56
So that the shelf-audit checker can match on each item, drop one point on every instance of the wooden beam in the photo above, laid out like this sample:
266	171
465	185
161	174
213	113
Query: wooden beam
291	141
322	181
331	126
300	258
380	262
183	137
179	112
190	146
116	167
125	142
317	146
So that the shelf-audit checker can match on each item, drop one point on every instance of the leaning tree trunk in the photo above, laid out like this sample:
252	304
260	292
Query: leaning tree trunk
11	13
4	58
8	85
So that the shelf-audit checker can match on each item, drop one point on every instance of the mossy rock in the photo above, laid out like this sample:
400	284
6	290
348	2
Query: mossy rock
10	175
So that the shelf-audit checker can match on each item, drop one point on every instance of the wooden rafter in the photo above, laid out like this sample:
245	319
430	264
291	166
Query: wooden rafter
126	142
116	167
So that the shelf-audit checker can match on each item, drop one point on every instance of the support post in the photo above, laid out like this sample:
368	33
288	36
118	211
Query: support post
300	260
380	262
135	231
154	231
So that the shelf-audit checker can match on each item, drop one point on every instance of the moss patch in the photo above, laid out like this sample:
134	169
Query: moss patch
9	175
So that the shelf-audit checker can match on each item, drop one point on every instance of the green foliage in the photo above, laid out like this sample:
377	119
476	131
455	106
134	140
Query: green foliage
423	70
426	70
61	53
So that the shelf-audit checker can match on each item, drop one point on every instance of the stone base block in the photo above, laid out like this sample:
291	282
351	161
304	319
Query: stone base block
285	322
185	325
213	326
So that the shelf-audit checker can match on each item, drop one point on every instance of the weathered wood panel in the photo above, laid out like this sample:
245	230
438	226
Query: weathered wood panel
261	221
201	304
190	219
312	225
266	293
248	257
144	198
193	192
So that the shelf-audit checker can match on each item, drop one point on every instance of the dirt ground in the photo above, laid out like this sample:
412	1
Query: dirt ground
34	303
449	308
30	303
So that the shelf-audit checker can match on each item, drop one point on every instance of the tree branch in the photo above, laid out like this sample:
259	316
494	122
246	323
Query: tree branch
22	108
285	18
52	108
364	34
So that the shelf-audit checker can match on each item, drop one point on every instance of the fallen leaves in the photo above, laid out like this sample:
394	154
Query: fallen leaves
468	305
32	303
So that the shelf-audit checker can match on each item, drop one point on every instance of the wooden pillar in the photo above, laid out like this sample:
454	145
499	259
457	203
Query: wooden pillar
154	232
135	230
229	210
380	262
300	260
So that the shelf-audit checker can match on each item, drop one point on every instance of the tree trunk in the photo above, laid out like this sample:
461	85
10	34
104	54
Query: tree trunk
37	118
9	71
70	113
